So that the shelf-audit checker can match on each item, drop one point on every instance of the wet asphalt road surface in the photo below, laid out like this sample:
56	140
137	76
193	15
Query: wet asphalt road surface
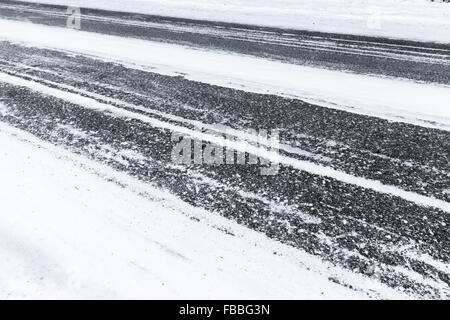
405	245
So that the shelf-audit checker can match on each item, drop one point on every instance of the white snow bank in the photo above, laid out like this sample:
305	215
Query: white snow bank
68	233
421	20
394	99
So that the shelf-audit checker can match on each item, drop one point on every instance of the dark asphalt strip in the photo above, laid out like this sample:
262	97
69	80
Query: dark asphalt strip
366	55
410	157
359	229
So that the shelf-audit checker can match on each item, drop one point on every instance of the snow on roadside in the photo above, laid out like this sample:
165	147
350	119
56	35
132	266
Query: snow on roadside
66	232
420	20
392	99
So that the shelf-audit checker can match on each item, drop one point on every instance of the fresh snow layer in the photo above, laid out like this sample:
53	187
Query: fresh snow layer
389	98
67	230
421	20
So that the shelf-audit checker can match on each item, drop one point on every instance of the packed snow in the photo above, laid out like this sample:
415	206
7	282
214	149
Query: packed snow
420	20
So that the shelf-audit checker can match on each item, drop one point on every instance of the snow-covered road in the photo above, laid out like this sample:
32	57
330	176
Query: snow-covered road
72	234
393	99
94	206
